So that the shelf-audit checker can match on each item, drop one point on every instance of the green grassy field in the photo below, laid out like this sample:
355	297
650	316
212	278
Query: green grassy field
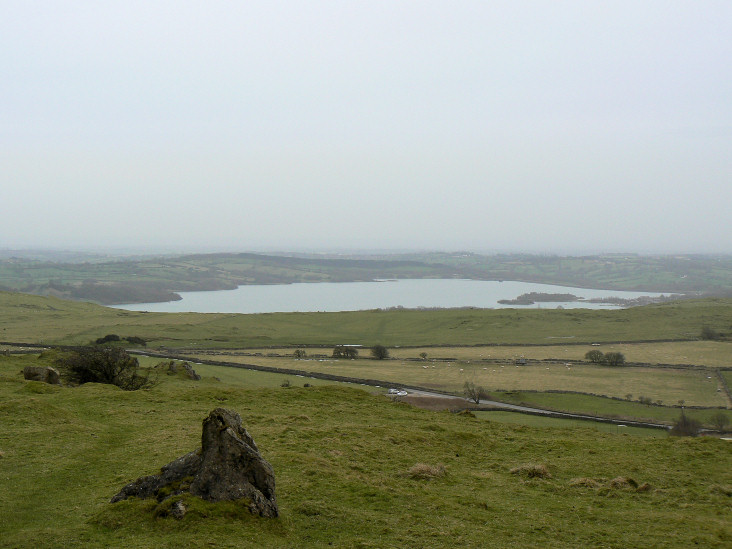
342	459
38	319
29	318
708	353
238	377
252	379
512	418
565	402
697	387
606	407
727	374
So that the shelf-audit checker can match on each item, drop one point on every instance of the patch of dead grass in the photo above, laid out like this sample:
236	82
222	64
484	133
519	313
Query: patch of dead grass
531	470
423	471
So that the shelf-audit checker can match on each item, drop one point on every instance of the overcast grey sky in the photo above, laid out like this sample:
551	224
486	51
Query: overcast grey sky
544	126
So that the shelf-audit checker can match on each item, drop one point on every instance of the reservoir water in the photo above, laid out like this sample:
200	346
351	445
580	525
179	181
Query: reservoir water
354	296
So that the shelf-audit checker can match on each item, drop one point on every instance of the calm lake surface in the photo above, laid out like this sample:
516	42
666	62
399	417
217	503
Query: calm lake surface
354	296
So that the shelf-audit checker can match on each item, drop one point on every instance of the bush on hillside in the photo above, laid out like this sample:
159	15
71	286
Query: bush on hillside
110	365
114	338
709	333
595	356
614	359
344	351
107	339
379	352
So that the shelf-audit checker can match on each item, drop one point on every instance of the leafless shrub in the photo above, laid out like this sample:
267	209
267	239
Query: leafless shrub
474	393
720	421
685	426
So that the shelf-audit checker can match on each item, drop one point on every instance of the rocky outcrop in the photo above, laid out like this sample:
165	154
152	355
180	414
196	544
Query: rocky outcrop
227	467
172	368
190	372
46	374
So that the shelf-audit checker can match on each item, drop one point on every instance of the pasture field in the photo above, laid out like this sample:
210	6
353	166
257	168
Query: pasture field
242	378
707	353
727	375
606	407
343	461
563	402
29	318
696	386
35	319
512	418
703	353
252	379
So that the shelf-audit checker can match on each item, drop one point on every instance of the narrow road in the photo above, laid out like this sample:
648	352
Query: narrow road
537	411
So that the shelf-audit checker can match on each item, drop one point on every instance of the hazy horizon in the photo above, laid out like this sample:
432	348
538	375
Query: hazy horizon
121	251
538	127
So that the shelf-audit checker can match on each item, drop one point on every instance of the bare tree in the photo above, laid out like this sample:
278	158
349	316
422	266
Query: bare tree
473	392
720	420
685	426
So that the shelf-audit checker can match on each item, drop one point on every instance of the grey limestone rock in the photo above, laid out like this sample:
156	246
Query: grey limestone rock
191	372
227	467
187	368
46	374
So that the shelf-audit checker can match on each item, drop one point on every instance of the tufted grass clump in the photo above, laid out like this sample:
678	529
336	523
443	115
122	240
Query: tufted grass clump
585	482
423	471
623	483
604	486
531	470
721	490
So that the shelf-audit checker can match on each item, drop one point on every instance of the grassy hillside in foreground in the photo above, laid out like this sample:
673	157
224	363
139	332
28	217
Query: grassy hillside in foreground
30	318
342	459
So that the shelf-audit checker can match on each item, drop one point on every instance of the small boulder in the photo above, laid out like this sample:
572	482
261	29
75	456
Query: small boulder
178	510
228	467
46	374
